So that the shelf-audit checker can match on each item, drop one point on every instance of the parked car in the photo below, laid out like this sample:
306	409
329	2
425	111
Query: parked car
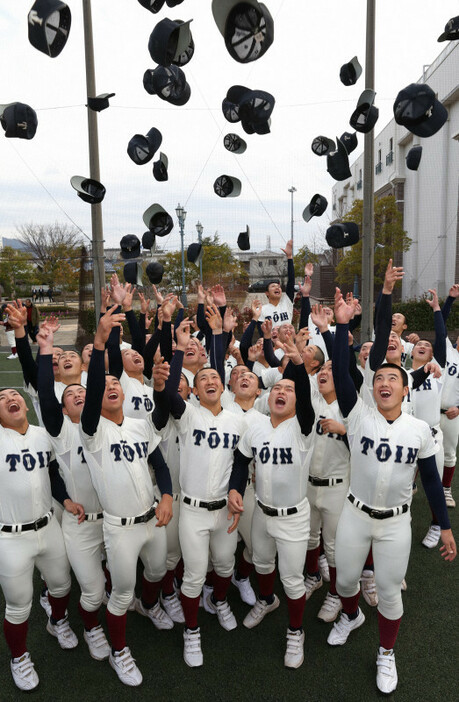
260	285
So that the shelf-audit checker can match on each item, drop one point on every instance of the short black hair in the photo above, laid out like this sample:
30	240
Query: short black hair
270	282
402	371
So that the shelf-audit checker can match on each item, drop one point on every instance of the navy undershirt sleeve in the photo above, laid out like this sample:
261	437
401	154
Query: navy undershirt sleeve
58	489
290	289
305	311
177	403
304	409
149	352
383	325
95	389
162	474
434	490
270	356
328	338
239	473
439	347
137	334
217	355
165	341
27	361
447	305
344	387
160	414
51	409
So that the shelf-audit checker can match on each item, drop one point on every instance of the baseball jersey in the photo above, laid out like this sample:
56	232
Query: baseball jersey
59	387
330	454
384	455
117	458
170	449
280	313
207	443
426	399
73	467
138	397
282	456
407	348
25	488
450	393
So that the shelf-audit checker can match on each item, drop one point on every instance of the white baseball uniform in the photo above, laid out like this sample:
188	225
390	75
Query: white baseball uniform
25	497
450	398
282	456
383	465
138	397
280	313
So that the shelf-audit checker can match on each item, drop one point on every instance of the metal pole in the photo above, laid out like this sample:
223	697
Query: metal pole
200	229
94	170
182	237
291	191
368	233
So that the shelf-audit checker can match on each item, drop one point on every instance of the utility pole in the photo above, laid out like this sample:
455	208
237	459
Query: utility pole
368	234
291	191
94	169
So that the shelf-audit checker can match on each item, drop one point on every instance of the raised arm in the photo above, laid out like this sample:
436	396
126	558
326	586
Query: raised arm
268	348
304	410
217	352
447	305
383	318
439	346
346	393
95	386
17	317
51	410
319	318
177	403
288	251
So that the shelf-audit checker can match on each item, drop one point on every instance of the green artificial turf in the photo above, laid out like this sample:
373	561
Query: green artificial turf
248	664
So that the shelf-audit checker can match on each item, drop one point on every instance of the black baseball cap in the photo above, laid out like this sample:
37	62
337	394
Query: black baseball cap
49	24
366	114
247	28
343	234
100	102
227	186
316	207
243	240
338	162
160	168
417	108
234	143
350	72
413	158
18	120
155	272
88	189
451	32
322	145
350	141
168	83
130	246
158	220
132	273
169	40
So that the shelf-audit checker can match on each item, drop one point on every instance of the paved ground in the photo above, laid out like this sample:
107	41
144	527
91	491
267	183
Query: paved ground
65	336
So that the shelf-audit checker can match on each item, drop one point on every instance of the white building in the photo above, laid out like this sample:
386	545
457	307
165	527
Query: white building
429	197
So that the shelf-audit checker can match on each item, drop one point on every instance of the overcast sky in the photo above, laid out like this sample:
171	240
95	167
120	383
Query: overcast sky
301	69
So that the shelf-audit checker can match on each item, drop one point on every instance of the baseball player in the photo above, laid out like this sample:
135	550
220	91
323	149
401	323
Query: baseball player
9	331
280	305
208	436
449	422
281	449
83	539
29	535
117	450
385	444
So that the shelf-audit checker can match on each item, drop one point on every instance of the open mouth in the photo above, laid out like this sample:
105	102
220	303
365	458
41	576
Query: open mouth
211	391
385	394
137	361
189	354
68	365
280	402
14	407
322	380
392	347
112	395
79	402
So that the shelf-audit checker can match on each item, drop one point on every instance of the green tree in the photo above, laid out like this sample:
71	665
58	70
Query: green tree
390	239
16	271
303	256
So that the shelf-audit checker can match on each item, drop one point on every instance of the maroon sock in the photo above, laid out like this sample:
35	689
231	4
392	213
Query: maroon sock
190	610
58	606
448	476
243	568
179	570
332	588
221	586
266	583
369	562
108	578
150	592
167	583
116	630
321	544
16	635
388	630
210	578
295	611
90	619
13	350
351	604
312	561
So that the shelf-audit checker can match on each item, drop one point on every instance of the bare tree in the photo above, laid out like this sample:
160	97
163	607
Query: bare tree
56	249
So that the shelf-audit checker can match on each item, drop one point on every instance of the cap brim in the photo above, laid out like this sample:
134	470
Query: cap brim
150	212
443	37
183	99
222	8
433	124
184	39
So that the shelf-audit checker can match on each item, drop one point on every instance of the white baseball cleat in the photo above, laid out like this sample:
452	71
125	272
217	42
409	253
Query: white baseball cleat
294	654
386	676
323	568
312	583
124	666
206	591
23	672
226	618
245	590
158	616
368	587
10	358
432	537
330	609
173	607
99	648
343	627
449	499
192	654
259	612
63	633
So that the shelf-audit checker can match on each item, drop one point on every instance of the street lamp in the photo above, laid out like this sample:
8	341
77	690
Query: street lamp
291	191
181	214
200	229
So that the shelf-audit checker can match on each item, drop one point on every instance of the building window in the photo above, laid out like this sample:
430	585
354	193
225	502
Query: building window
391	144
389	158
359	184
273	261
260	264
